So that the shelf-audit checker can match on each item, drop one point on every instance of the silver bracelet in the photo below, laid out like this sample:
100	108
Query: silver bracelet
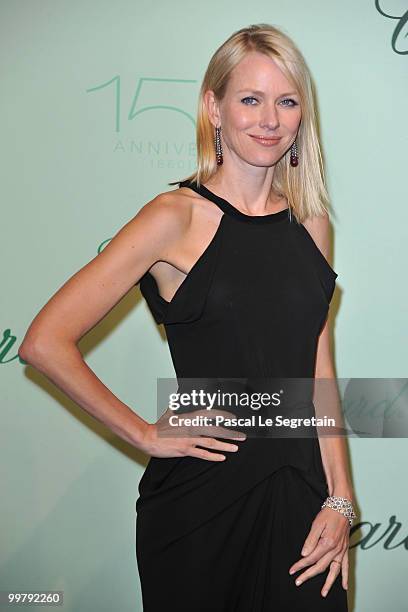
342	505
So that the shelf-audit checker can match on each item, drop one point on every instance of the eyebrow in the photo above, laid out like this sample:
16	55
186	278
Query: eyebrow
257	91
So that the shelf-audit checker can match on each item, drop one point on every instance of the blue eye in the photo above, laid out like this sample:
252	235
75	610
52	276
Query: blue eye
290	100
248	98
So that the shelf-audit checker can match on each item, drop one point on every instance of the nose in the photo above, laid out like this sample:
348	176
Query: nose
269	117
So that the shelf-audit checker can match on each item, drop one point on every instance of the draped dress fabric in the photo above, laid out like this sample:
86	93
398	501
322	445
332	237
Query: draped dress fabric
221	536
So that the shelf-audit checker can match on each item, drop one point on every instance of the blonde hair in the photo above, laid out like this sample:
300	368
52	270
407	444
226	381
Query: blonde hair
304	185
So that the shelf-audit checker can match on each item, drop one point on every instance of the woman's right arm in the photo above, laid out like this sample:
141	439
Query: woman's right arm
50	343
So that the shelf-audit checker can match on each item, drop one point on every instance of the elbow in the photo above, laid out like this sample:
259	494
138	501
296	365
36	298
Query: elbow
27	351
37	349
33	350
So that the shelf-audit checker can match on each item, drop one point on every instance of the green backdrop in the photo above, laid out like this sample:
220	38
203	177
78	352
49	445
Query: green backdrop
97	115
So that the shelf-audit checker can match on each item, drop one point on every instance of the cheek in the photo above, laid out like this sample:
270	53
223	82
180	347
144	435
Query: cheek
245	120
292	120
240	119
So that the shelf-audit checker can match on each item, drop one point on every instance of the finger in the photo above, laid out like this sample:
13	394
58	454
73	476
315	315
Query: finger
215	444
211	413
315	569
182	428
314	537
209	430
334	571
319	567
199	412
221	412
203	454
345	570
324	546
224	432
318	562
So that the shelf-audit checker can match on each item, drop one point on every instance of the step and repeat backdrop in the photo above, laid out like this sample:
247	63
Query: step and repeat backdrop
98	112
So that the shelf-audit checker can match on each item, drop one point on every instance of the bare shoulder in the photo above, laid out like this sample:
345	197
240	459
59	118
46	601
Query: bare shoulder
153	234
319	229
159	223
168	211
171	214
183	200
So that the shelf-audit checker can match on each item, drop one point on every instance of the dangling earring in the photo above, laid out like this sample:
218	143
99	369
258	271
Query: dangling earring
294	159
218	146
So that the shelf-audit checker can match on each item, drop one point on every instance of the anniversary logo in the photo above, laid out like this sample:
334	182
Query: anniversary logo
401	29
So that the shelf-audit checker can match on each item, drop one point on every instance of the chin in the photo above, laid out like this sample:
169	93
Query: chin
263	162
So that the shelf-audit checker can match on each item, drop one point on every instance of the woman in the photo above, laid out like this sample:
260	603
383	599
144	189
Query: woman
234	263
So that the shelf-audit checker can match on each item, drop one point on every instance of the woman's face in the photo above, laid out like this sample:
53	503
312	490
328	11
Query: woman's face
260	112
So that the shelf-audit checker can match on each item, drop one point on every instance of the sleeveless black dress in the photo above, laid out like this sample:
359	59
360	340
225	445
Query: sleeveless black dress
221	536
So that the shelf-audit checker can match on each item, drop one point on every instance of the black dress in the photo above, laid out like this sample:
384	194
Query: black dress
221	536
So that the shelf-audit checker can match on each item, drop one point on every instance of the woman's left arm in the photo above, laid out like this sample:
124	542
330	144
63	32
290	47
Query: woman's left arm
333	448
326	546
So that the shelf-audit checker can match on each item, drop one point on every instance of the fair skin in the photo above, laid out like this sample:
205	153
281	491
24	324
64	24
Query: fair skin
254	105
166	237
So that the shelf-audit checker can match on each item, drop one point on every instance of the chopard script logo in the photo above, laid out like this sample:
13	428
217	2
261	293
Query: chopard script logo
401	29
377	534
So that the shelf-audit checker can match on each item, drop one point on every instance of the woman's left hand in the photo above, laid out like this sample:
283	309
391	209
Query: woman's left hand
328	540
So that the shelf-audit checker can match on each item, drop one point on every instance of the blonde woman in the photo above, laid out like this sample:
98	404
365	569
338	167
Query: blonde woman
234	263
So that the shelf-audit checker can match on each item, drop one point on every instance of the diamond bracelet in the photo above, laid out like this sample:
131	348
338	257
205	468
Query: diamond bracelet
342	505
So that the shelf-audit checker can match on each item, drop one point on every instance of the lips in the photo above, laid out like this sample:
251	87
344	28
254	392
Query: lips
265	141
265	138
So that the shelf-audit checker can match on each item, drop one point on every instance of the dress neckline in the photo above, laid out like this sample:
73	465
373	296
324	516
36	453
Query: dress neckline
231	210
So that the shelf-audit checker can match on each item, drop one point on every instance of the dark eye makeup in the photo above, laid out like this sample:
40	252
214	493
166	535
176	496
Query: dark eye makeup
293	102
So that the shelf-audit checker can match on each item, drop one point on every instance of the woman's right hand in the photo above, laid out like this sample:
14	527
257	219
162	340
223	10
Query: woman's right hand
161	439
